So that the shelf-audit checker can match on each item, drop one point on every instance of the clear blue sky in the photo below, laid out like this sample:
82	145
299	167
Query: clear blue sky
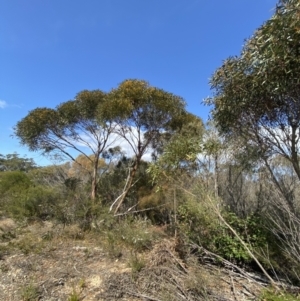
52	49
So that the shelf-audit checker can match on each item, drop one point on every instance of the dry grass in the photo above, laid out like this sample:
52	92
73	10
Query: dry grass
51	262
7	225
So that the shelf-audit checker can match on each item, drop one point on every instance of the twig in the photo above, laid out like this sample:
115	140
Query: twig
247	289
142	296
121	195
76	268
181	265
230	264
233	289
138	211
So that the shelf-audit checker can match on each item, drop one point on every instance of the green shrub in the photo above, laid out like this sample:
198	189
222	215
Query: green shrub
29	244
29	292
135	234
197	222
33	202
250	230
201	225
13	181
21	198
136	263
271	295
74	296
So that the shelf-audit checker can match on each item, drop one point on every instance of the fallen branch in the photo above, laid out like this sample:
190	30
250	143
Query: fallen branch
233	289
142	296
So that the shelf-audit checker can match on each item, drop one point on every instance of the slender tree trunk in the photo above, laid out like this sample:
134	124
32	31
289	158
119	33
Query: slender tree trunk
95	178
294	154
217	211
128	184
281	188
216	176
175	213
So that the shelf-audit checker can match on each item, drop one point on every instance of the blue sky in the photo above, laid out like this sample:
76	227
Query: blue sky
52	49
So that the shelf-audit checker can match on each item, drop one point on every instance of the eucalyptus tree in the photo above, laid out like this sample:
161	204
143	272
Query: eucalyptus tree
13	162
72	127
257	94
142	114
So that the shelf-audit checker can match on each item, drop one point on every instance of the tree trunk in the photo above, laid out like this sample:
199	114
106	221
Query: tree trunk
216	175
95	178
128	184
294	154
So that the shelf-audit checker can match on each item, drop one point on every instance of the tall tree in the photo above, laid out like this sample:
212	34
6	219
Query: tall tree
13	162
73	126
257	94
142	113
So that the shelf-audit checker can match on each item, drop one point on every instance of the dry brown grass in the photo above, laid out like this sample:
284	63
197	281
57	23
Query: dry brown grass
53	262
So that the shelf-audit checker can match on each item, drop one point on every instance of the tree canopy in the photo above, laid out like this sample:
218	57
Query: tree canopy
136	112
13	162
74	125
257	94
142	114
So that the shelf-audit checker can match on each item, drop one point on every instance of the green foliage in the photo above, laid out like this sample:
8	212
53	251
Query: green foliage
257	93
134	234
21	198
136	103
249	229
29	244
199	223
179	151
12	162
74	296
143	115
136	263
29	293
271	295
13	181
13	188
34	202
256	97
60	131
35	128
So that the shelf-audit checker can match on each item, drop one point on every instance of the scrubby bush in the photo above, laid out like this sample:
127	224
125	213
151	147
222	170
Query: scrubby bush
197	222
12	182
201	225
251	230
271	295
127	233
21	198
34	202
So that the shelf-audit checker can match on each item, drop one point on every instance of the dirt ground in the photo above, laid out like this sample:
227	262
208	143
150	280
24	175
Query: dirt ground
48	262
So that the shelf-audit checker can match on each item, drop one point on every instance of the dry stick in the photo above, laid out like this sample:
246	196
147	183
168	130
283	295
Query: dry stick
233	288
247	291
241	272
178	286
117	199
142	296
142	210
239	238
175	213
243	243
124	190
185	270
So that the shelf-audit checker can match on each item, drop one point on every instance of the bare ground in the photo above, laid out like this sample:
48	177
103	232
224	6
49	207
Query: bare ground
49	262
